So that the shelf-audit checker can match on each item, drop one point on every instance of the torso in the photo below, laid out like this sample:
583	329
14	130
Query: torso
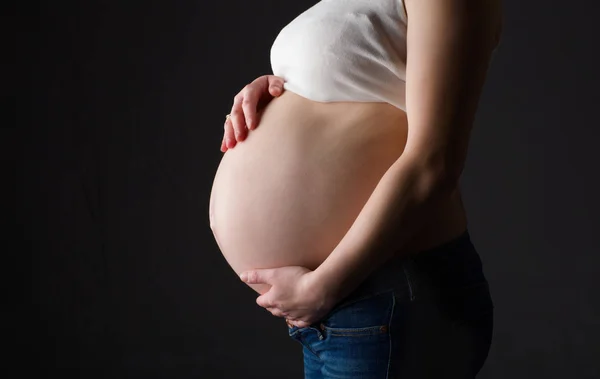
287	194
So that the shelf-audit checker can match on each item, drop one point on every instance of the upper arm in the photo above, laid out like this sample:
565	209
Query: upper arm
449	45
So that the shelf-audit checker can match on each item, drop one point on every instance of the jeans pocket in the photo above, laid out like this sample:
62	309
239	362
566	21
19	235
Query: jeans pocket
367	315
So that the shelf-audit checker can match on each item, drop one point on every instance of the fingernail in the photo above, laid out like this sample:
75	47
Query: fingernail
244	276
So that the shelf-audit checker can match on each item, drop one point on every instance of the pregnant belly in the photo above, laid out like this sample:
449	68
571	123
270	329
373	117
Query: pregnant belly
288	193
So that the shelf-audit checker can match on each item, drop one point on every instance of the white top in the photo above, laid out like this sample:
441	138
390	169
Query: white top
345	50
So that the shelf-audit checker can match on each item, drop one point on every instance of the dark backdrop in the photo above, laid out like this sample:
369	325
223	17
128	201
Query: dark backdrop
119	129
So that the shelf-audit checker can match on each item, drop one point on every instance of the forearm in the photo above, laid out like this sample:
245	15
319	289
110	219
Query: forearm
401	202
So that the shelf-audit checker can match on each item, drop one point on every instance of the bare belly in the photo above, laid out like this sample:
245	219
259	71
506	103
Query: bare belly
287	194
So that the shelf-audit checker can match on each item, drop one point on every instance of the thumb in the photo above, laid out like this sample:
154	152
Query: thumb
258	276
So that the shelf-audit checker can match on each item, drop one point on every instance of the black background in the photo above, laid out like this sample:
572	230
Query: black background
120	118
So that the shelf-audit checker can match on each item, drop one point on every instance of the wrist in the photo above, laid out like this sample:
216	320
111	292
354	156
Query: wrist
328	285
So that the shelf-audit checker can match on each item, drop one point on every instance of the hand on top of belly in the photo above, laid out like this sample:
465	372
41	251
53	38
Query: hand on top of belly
246	104
295	294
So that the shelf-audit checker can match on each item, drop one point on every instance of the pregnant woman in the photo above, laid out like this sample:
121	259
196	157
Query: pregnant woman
338	200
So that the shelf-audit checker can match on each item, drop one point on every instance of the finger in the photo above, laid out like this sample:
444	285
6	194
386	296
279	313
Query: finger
228	134
224	140
276	312
275	90
223	147
259	276
301	324
296	322
265	302
237	118
257	98
275	85
249	106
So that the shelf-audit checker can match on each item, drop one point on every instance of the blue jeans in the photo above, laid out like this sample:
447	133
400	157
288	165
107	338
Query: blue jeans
427	315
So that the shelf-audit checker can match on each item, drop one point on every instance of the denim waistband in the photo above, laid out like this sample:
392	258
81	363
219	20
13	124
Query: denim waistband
453	263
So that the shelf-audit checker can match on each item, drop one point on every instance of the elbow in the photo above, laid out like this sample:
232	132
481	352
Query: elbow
448	174
432	177
439	178
449	183
448	179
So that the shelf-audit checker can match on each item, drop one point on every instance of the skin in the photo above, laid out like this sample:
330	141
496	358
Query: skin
245	111
449	49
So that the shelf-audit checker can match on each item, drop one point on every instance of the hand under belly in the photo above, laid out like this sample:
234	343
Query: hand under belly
288	193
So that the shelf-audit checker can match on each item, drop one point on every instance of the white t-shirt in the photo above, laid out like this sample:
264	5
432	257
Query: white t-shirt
345	50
